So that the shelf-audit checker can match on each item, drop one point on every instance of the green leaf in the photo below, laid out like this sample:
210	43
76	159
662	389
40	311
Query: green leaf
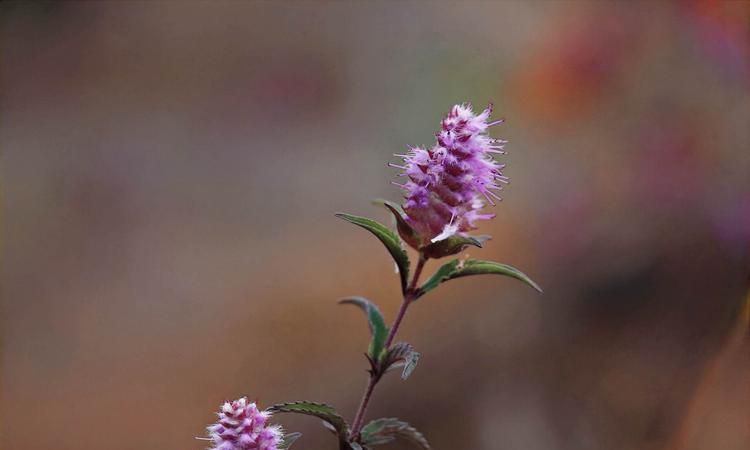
450	246
385	430
320	410
389	239
405	230
457	269
288	440
376	322
403	355
442	274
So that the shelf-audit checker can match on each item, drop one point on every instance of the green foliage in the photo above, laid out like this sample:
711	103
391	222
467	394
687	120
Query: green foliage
442	274
375	320
457	268
288	440
320	410
403	355
389	239
385	430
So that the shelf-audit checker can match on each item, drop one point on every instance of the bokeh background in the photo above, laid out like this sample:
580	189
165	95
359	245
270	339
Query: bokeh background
170	172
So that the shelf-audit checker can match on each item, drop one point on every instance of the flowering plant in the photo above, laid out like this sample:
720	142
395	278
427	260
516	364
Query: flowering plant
446	187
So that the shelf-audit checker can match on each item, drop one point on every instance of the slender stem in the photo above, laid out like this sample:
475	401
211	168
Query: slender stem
359	418
409	296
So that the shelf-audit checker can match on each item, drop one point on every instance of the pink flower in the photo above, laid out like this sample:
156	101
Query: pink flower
242	426
448	184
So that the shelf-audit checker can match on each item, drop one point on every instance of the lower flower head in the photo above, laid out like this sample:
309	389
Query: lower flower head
241	426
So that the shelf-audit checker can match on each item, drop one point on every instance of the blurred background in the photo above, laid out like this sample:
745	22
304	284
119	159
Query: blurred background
170	172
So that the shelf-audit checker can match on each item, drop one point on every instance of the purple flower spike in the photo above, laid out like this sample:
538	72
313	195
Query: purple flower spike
449	183
242	426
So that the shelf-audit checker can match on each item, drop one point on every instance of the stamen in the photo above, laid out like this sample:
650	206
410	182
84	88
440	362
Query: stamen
484	192
497	197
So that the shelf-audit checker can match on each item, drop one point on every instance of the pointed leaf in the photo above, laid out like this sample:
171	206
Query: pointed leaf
375	320
450	246
385	430
457	269
288	440
389	239
320	410
479	267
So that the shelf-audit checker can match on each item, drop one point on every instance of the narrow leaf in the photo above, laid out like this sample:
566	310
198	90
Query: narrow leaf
320	410
389	239
288	440
376	322
479	267
385	430
457	269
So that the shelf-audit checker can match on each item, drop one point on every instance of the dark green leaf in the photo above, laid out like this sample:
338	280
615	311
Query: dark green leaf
450	246
443	273
288	440
385	430
405	230
457	269
321	410
389	239
375	320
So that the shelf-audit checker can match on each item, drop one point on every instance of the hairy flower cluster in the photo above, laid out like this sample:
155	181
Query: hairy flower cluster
242	426
448	184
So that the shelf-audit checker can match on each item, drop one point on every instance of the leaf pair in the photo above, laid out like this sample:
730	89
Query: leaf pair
377	432
445	247
381	358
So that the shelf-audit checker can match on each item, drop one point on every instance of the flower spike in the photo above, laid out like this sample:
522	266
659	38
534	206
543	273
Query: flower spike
450	182
242	426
